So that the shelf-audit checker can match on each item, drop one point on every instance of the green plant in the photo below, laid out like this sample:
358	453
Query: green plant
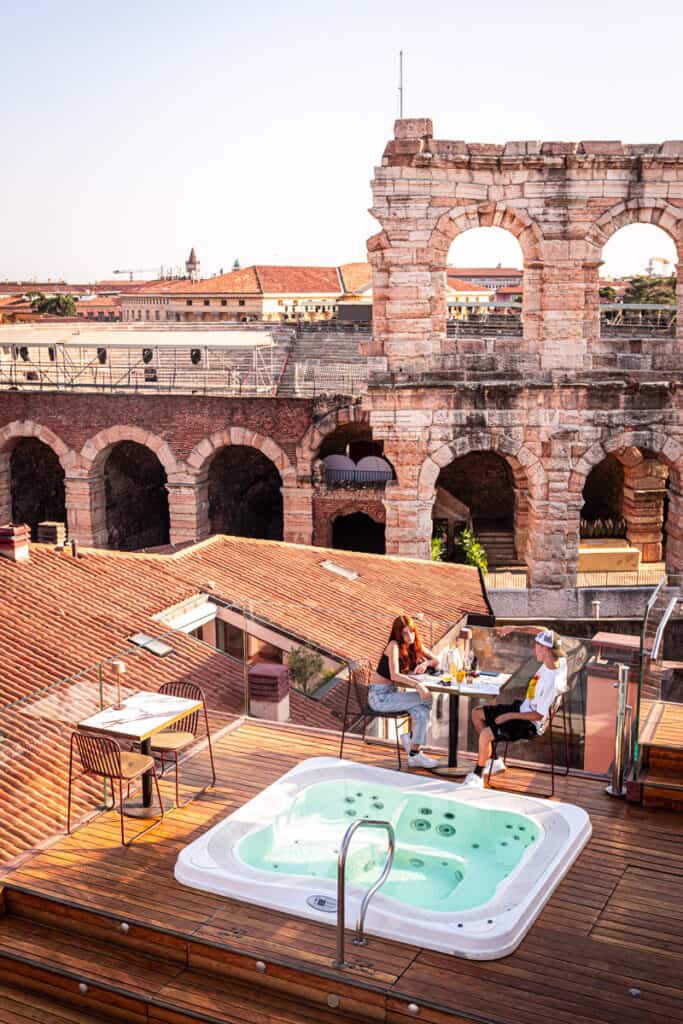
438	548
473	551
304	665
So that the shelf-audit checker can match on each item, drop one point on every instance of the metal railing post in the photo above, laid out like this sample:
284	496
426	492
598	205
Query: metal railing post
341	884
616	786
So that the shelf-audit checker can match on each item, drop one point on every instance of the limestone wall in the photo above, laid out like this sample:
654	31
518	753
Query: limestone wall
561	200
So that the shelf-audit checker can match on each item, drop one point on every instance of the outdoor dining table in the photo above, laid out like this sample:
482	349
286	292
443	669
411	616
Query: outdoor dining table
141	716
483	685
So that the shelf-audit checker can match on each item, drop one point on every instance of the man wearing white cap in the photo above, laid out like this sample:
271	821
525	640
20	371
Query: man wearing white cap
523	719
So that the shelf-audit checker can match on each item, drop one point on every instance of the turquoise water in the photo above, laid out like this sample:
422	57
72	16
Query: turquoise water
449	856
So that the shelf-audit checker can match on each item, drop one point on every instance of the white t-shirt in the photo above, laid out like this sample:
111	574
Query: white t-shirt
550	683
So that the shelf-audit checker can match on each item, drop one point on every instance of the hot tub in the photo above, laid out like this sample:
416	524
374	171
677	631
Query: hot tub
472	868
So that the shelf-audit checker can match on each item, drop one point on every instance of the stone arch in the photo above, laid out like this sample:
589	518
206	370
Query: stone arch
666	448
357	509
639	211
526	467
488	215
647	536
19	429
200	456
27	430
310	443
95	449
530	485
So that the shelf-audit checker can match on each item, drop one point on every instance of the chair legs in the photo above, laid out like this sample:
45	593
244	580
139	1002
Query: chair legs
553	772
153	824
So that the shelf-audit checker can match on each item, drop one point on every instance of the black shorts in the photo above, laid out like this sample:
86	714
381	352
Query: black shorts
515	729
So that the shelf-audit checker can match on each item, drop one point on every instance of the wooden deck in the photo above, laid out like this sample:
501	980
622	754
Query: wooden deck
612	926
662	725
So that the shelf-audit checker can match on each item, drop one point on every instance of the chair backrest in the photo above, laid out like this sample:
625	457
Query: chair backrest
100	755
360	677
188	691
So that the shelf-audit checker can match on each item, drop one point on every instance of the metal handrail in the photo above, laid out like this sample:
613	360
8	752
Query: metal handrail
360	939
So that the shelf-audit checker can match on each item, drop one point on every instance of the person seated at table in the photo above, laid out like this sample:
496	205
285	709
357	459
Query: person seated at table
405	657
523	719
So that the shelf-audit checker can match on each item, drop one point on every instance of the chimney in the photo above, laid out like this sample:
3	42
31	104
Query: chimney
50	532
15	542
269	691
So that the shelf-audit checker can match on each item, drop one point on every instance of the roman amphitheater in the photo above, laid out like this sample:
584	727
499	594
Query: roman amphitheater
536	428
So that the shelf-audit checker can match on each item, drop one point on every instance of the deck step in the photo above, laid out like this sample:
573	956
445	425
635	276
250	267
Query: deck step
126	973
662	787
22	1006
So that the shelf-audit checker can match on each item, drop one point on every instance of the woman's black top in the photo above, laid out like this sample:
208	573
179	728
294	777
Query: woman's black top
383	667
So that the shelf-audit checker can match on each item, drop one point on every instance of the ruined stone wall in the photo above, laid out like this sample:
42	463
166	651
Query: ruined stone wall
561	200
555	402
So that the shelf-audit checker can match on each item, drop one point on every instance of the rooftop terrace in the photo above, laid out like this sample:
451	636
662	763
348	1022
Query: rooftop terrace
605	949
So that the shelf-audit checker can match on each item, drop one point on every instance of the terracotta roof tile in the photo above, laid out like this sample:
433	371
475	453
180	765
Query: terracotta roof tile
61	615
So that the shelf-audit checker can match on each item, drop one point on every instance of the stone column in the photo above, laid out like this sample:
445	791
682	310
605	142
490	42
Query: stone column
679	297
5	488
408	530
553	543
86	512
674	528
188	508
521	521
563	299
643	506
297	508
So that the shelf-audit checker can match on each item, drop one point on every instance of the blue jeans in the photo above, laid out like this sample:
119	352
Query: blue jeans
388	698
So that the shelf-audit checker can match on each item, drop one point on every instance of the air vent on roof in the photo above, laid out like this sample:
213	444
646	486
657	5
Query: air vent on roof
151	644
340	570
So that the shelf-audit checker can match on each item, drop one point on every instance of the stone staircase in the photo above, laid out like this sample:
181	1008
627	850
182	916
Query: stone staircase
61	963
499	546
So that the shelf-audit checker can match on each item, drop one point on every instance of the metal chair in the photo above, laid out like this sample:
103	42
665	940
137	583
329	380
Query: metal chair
183	734
360	675
559	705
102	757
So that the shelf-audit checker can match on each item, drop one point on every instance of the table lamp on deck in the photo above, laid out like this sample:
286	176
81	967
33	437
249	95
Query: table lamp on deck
118	667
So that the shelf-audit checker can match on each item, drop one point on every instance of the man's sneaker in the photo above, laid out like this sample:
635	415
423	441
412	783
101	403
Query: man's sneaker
421	760
406	741
475	781
498	766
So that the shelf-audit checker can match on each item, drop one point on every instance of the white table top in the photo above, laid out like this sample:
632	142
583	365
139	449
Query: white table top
142	715
486	684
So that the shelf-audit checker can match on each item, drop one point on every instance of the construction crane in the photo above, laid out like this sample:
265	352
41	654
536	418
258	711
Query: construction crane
139	270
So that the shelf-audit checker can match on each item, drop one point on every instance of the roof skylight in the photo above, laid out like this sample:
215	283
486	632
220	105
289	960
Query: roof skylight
339	570
151	644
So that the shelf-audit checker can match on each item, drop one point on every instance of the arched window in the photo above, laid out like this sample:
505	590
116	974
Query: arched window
638	282
484	283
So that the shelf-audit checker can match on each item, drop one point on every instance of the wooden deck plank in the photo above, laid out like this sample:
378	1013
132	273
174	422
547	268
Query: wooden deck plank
585	947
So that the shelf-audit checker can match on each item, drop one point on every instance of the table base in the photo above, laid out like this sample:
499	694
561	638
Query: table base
135	808
450	771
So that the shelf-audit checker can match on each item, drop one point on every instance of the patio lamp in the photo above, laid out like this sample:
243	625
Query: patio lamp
118	667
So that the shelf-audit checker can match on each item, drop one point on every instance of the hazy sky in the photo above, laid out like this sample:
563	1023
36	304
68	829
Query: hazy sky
133	131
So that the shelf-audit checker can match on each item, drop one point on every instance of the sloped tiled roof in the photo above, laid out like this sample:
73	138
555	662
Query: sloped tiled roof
355	276
61	615
459	285
257	280
484	271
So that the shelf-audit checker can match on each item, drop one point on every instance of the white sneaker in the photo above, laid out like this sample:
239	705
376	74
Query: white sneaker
406	741
498	766
475	781
421	760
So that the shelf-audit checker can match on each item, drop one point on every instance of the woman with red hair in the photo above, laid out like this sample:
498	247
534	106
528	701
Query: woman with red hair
405	657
